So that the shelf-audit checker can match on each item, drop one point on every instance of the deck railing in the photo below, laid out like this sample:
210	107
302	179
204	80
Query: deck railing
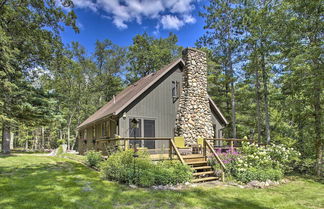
215	155
166	150
228	144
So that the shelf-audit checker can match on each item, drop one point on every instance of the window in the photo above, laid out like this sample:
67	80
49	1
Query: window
104	128
175	90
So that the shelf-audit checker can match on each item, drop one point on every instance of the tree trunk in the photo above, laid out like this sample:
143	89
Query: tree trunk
232	93
12	138
258	99
233	110
43	137
5	138
318	118
68	137
26	144
265	96
36	141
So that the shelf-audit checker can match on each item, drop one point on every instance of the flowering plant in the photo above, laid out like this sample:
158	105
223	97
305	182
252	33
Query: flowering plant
273	156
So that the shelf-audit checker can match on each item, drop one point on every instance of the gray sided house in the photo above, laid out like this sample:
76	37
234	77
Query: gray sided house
170	102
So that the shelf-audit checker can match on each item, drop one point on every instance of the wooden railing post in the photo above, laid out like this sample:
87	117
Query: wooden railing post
177	151
232	147
223	175
205	149
170	149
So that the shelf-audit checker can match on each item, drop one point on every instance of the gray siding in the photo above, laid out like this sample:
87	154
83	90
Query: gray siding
156	104
219	126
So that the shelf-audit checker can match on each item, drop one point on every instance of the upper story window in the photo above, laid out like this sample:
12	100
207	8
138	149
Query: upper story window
175	90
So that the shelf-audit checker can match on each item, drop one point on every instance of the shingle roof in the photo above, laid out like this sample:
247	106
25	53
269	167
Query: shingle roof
128	95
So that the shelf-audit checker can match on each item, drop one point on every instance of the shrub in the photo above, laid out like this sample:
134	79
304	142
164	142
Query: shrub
284	157
61	141
228	158
306	166
93	158
59	150
120	167
260	163
172	172
251	174
273	156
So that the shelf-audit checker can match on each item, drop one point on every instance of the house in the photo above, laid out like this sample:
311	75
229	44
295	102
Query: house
170	102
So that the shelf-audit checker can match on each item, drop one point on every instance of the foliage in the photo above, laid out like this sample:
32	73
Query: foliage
306	166
258	174
273	156
93	158
59	150
29	34
123	167
148	54
228	158
172	172
277	92
253	162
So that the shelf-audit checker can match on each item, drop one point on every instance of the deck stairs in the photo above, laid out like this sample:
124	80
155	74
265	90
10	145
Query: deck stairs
201	170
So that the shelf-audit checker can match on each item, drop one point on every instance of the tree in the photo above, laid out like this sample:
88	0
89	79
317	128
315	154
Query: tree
110	60
26	47
302	43
223	25
148	55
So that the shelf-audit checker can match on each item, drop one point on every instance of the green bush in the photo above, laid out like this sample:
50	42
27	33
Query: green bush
251	174
260	163
273	156
122	167
93	158
172	172
306	166
59	150
283	157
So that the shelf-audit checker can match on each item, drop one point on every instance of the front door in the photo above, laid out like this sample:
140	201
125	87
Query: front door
149	131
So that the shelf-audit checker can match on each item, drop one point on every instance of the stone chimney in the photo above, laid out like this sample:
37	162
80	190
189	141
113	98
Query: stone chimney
194	116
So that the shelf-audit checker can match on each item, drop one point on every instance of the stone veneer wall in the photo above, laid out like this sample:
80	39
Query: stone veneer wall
194	117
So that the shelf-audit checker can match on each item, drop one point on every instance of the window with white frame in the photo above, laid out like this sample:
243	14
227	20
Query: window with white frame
175	90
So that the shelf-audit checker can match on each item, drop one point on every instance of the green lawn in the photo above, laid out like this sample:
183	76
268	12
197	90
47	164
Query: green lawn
28	181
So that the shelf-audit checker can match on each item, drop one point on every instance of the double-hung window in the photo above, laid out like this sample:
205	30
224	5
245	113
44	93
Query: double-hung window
175	90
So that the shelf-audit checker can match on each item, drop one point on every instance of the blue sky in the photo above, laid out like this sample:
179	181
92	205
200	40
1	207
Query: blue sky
121	20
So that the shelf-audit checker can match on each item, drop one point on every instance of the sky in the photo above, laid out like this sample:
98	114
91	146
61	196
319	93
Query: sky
121	20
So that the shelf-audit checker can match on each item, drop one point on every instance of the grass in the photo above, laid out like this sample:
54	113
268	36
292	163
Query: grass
28	181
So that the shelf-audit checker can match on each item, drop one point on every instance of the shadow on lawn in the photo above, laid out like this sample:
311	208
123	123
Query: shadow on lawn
71	185
6	155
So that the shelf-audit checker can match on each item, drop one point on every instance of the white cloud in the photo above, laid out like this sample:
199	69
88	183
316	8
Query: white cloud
189	19
85	4
171	22
172	14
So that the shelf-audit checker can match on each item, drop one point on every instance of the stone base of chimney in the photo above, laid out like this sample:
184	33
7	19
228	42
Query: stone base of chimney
194	116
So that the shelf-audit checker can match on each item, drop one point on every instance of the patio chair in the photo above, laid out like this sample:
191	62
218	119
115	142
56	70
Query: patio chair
200	142
180	144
